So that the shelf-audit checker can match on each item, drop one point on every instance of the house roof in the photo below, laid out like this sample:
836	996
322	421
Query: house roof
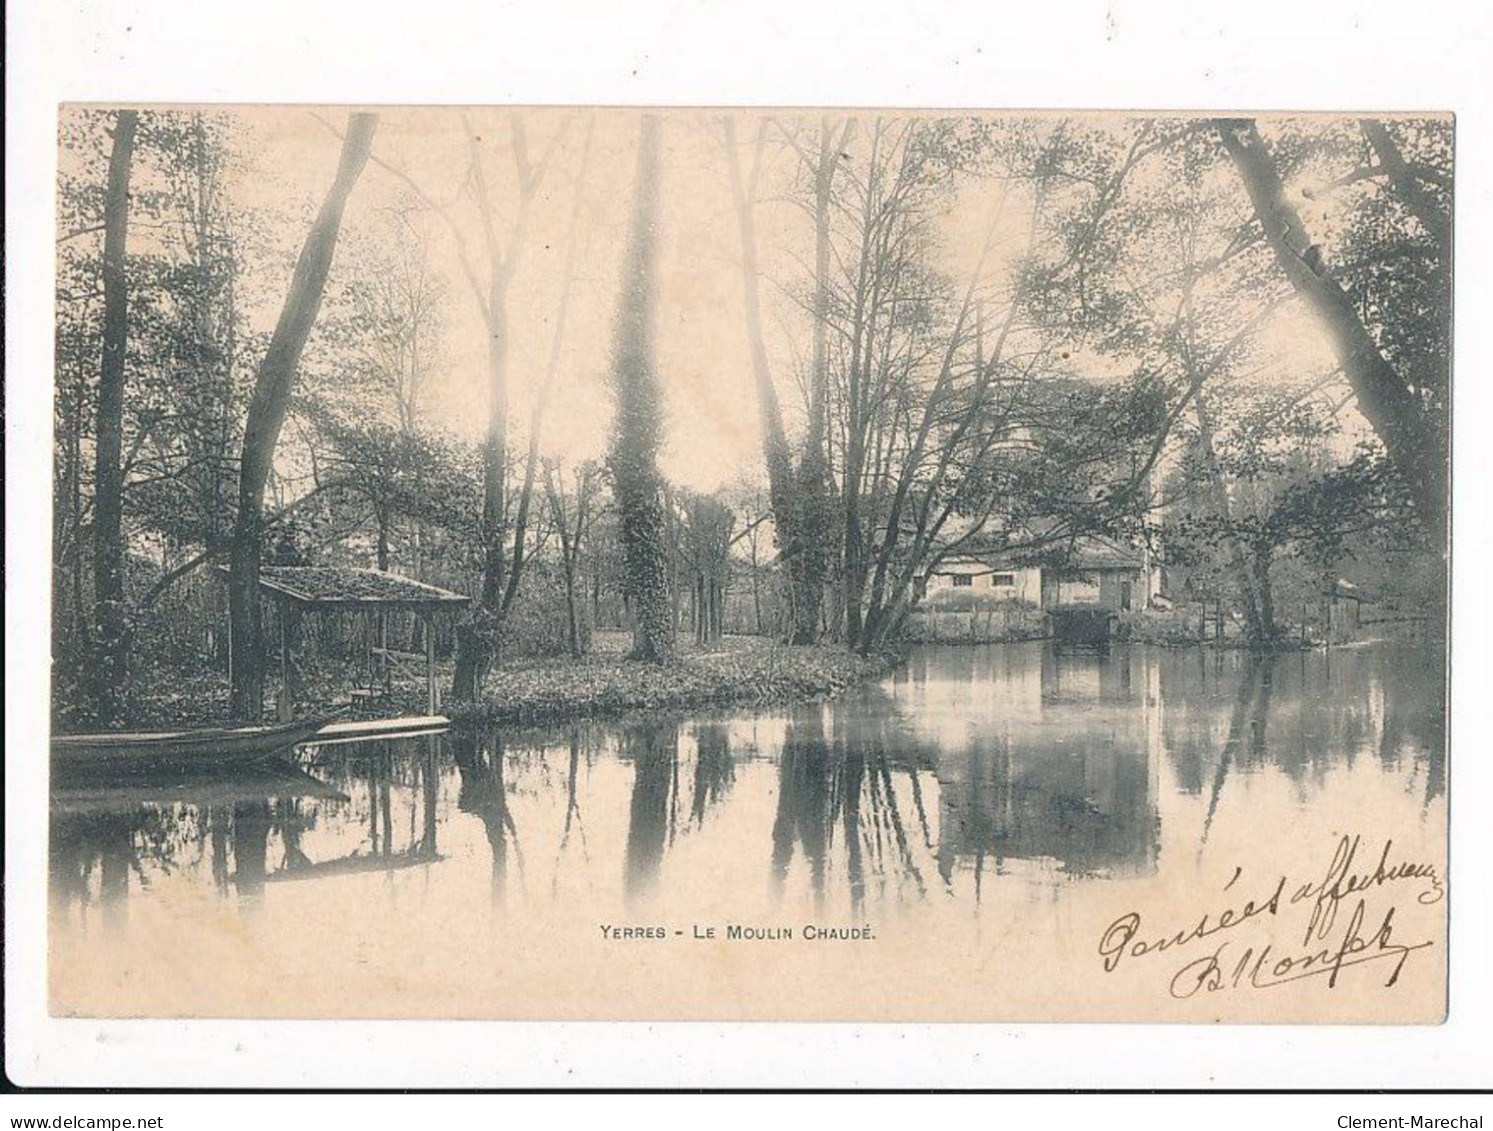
1085	551
345	587
1092	552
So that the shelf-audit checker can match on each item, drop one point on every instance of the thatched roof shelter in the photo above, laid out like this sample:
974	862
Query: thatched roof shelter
330	589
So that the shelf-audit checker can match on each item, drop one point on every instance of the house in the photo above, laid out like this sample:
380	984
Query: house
1105	574
980	580
1096	571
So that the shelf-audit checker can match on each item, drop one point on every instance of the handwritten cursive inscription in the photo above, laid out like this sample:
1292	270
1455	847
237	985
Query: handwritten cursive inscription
1239	960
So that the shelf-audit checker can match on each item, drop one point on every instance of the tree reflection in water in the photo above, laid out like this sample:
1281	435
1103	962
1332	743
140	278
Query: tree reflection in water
653	818
251	839
965	763
1305	714
479	760
715	769
573	820
843	782
653	749
89	847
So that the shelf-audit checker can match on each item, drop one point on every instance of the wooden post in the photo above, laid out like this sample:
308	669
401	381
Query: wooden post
432	694
383	651
287	704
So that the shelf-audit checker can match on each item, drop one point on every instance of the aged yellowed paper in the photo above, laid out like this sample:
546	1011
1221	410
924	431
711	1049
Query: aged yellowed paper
726	564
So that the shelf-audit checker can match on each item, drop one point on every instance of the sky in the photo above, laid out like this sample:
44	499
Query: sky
712	430
289	155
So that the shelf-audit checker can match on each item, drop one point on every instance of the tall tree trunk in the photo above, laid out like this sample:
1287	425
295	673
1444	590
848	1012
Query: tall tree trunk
572	621
479	639
541	401
1240	564
75	462
756	588
476	641
109	674
1410	191
1265	594
852	587
633	459
775	451
570	547
1414	443
813	473
382	549
268	406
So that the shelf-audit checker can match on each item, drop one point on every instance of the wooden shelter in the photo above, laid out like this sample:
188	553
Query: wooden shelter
297	590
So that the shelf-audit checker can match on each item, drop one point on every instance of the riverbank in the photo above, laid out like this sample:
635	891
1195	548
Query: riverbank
746	670
741	671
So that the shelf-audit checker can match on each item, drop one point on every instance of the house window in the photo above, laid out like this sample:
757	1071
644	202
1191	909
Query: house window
1002	581
963	580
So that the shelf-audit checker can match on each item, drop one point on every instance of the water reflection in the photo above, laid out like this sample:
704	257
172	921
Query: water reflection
484	794
1305	715
653	750
1045	757
715	769
1020	765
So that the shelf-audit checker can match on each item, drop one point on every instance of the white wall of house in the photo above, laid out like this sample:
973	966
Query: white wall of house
986	582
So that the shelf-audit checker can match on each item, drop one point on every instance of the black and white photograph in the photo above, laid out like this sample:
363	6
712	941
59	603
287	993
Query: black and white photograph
591	548
633	564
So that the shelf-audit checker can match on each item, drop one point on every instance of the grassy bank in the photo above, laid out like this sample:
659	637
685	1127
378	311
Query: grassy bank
1179	630
742	670
738	670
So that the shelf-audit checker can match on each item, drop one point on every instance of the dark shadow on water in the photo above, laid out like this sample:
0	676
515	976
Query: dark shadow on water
839	806
480	758
715	769
653	749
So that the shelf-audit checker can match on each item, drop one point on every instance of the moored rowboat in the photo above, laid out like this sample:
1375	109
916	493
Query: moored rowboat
215	747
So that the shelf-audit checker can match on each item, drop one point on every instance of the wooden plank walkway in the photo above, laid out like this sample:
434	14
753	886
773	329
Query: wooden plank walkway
357	730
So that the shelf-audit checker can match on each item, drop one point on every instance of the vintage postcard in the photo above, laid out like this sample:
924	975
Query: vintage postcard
736	564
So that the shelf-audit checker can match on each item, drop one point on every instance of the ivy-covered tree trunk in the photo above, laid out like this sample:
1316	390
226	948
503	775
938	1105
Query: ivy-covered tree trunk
632	461
268	406
109	676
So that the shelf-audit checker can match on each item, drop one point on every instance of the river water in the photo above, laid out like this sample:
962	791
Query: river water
952	842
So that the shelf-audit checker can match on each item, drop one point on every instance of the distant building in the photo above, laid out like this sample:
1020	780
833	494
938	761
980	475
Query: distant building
989	579
1105	574
1097	571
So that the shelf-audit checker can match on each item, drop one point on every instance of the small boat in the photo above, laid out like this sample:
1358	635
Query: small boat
225	746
